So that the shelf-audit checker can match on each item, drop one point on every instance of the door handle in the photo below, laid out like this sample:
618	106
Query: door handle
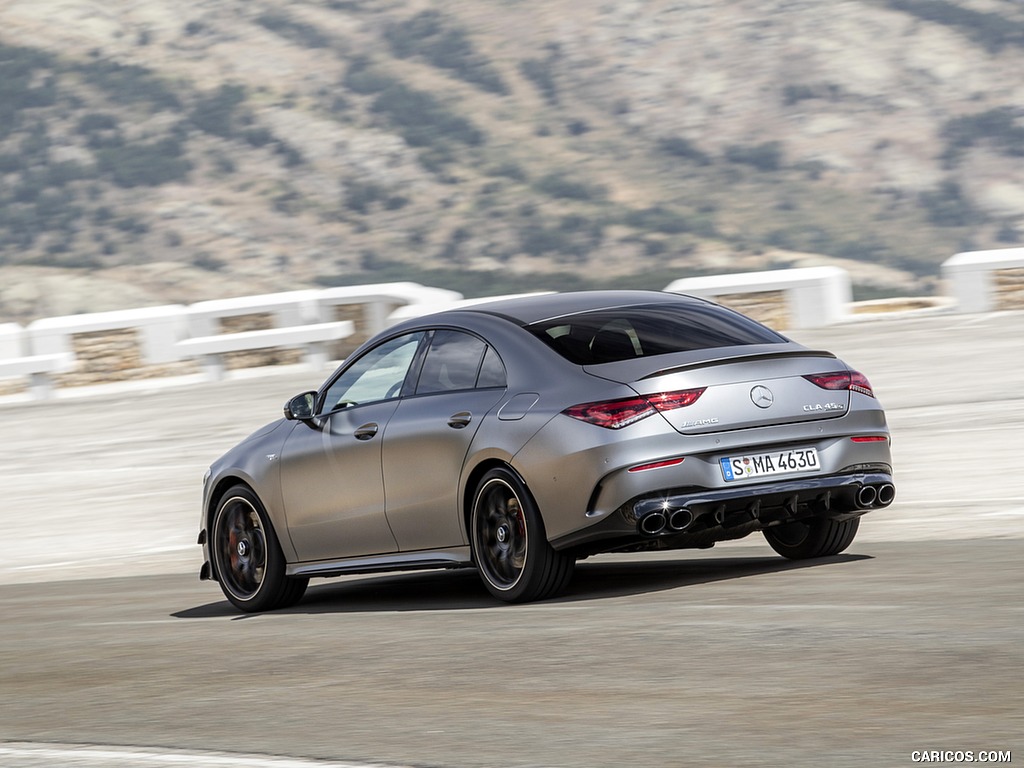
366	431
460	419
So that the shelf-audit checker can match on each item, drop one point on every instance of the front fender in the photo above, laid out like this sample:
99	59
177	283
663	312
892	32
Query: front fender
253	462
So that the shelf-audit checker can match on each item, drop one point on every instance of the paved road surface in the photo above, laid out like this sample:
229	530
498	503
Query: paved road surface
914	639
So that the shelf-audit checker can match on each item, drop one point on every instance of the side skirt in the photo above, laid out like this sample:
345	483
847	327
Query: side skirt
456	557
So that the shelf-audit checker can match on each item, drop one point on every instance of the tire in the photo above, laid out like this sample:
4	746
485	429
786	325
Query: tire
816	537
509	545
247	556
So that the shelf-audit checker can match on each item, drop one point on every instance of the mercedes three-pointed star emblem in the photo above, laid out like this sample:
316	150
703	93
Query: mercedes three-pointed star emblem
761	396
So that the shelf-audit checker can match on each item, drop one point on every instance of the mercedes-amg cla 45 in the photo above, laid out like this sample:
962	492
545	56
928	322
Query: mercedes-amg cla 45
518	436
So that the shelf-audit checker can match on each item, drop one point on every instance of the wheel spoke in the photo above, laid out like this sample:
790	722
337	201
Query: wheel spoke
242	547
501	534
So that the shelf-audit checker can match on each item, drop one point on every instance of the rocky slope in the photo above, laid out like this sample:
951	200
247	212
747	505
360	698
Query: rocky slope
155	151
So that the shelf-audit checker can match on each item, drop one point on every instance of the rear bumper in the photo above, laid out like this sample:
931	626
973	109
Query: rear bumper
697	517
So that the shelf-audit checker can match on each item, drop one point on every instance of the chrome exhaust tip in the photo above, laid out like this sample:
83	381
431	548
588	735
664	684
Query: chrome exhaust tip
886	494
680	519
653	523
866	496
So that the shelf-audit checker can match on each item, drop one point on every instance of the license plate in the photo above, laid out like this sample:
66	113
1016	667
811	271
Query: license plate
768	464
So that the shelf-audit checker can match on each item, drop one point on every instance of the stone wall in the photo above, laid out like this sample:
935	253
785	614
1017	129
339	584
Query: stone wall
255	358
768	307
108	356
1009	288
13	386
357	314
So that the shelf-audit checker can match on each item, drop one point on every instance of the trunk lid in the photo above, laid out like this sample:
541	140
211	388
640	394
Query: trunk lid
746	386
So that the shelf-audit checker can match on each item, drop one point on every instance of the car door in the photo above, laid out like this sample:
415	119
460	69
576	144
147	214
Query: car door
427	439
332	478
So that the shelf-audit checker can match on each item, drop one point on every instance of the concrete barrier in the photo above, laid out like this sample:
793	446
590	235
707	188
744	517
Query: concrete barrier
810	297
425	308
206	321
380	300
159	342
311	338
158	328
36	369
171	341
986	281
370	307
12	341
365	307
123	345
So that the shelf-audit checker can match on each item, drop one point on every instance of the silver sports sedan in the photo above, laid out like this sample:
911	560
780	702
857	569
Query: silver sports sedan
518	436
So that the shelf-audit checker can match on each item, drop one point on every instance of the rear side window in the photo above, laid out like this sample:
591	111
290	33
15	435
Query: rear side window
452	362
492	372
610	335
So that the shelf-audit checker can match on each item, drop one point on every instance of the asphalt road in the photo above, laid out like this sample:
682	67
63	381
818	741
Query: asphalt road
912	640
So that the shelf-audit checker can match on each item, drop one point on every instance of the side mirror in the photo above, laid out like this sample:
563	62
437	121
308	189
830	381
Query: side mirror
300	407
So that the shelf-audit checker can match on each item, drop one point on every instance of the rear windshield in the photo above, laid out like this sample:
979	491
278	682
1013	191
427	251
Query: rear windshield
610	335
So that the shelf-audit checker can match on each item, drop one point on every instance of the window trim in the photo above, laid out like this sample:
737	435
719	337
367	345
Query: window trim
414	392
417	360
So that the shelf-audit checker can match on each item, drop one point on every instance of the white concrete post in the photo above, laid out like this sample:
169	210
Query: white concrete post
968	276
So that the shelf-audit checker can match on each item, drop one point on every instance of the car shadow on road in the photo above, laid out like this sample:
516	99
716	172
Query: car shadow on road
462	589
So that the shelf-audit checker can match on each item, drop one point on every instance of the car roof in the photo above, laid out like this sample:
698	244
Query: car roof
526	310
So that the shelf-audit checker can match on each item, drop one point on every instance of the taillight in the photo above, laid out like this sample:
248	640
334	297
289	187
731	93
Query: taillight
612	414
859	383
668	401
616	414
853	381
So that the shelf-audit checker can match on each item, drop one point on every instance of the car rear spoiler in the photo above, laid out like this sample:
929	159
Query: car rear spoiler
640	368
736	358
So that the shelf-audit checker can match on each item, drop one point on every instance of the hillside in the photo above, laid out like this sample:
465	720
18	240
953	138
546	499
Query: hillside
161	152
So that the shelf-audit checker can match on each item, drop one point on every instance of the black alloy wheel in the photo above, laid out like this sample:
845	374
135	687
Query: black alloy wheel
247	556
510	549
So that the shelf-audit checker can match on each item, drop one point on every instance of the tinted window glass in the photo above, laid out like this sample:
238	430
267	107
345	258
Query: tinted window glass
492	372
658	329
377	375
452	362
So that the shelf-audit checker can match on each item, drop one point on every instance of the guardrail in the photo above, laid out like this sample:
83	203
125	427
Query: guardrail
788	298
37	369
311	338
178	340
315	326
986	281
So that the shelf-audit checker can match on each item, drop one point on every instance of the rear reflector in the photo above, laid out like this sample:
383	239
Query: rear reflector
854	381
616	414
870	439
658	464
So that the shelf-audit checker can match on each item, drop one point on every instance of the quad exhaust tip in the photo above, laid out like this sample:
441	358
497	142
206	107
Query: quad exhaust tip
874	496
886	494
658	521
680	520
653	523
866	496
